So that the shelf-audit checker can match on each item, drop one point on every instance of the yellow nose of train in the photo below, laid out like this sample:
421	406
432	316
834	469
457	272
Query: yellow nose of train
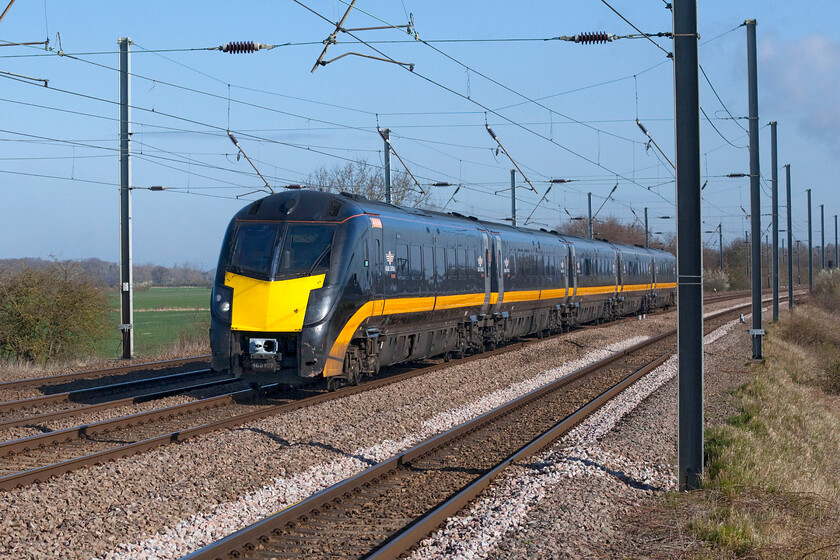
263	306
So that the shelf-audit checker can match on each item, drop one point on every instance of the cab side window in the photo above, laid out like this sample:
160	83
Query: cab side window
402	260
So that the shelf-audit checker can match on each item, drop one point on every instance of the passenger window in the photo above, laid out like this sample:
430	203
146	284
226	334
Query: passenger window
440	262
428	263
472	263
462	262
415	262
451	263
402	260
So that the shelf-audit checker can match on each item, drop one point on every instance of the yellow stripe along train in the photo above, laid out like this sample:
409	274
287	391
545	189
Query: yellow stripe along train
317	285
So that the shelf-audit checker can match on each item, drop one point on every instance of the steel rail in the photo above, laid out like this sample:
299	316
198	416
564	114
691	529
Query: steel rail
11	406
251	536
99	372
128	401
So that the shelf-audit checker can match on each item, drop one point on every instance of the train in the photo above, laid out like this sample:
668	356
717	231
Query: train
314	286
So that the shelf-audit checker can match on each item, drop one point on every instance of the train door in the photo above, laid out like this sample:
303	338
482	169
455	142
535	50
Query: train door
565	270
620	270
653	273
574	269
377	264
484	258
649	276
616	270
497	273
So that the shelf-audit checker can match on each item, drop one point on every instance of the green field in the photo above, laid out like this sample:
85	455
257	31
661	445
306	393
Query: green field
161	317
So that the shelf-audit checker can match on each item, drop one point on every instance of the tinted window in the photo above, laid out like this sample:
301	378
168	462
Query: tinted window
440	262
402	260
306	249
415	262
253	248
428	264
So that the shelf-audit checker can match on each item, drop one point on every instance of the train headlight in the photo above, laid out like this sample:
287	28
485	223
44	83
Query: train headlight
222	299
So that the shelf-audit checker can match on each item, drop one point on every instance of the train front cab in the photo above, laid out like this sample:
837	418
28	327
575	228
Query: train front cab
278	284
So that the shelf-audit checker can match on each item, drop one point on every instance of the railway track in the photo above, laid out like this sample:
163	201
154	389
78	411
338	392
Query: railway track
98	373
40	457
386	510
73	403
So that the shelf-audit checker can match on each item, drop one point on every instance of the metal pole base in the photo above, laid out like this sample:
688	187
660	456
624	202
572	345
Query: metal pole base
756	343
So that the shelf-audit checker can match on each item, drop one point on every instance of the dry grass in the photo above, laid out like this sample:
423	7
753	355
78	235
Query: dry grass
191	342
772	483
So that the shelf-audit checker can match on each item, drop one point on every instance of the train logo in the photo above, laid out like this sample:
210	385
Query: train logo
507	266
389	258
480	261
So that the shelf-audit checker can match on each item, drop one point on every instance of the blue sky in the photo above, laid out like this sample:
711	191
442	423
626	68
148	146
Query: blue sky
561	109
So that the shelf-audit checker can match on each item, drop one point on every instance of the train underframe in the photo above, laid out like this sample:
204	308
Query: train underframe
382	346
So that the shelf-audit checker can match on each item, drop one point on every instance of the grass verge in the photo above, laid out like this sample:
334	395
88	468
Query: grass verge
772	481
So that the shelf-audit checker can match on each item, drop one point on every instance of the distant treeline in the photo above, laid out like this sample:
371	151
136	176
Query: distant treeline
108	273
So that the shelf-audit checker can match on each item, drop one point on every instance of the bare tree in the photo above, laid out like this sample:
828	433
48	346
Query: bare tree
360	177
609	228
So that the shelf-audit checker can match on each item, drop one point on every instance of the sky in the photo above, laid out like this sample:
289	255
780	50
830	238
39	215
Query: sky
562	110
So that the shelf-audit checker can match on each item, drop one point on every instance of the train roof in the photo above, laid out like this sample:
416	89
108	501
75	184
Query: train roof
312	205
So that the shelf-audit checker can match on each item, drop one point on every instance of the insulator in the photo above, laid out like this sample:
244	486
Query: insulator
237	47
593	37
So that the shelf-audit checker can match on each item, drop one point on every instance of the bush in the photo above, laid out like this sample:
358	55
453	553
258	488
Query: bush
827	289
48	313
715	280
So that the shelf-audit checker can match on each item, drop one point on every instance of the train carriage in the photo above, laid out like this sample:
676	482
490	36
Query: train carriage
317	285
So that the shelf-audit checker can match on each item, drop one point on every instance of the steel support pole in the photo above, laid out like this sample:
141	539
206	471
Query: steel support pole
767	259
589	196
822	236
810	245
647	240
747	251
755	190
781	258
386	136
720	244
798	262
126	273
513	196
835	240
790	239
775	196
689	244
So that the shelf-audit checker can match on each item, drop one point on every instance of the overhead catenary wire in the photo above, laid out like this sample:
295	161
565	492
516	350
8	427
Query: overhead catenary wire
628	22
466	67
648	187
486	108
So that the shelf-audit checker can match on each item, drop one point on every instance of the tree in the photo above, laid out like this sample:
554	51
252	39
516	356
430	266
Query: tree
359	177
609	228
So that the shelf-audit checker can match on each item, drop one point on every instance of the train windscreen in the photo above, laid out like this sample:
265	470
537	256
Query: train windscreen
306	249
253	249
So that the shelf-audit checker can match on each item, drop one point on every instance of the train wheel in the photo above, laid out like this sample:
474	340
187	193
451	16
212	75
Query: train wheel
447	357
333	384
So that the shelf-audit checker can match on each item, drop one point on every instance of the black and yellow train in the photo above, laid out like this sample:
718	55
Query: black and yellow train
311	285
